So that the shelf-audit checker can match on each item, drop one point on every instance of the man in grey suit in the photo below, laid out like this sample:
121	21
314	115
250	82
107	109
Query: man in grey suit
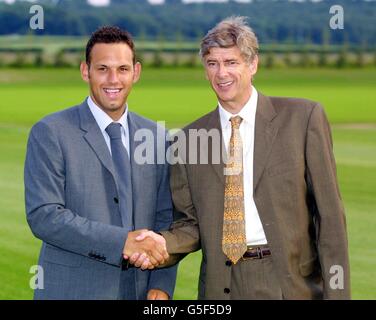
274	228
86	193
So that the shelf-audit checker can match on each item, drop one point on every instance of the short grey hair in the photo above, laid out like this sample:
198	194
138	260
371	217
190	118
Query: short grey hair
230	32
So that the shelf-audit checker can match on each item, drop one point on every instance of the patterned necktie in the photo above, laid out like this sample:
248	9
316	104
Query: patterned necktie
122	167
234	243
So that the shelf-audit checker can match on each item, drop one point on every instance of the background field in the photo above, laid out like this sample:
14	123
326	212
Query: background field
178	96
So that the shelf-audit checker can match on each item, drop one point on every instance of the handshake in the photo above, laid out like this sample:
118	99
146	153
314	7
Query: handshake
145	249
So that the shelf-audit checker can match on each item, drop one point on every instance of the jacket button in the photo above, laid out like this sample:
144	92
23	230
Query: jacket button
226	290
116	200
228	263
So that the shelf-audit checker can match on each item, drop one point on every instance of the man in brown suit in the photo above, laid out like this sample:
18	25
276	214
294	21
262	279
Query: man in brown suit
275	229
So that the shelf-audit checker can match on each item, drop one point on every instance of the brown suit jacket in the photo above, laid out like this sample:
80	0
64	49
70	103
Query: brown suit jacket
296	194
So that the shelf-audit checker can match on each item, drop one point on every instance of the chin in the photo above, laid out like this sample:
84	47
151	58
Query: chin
226	99
114	105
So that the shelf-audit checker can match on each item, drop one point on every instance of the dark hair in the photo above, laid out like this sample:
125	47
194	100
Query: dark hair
109	34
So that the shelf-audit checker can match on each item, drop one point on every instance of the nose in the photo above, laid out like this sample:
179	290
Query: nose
222	71
113	77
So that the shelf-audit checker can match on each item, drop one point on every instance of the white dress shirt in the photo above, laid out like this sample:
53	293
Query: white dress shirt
103	120
254	230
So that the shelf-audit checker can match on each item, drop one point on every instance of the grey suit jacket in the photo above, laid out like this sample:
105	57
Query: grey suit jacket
72	206
296	195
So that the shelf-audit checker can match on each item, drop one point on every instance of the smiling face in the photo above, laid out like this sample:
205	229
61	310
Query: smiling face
111	75
230	76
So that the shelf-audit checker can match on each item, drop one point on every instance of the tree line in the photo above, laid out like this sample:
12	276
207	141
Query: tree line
273	57
273	21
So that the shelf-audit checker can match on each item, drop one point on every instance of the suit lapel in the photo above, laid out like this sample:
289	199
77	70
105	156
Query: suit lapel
265	133
138	170
214	123
94	137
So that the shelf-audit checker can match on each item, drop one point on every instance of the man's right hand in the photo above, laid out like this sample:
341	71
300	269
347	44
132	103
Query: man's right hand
145	249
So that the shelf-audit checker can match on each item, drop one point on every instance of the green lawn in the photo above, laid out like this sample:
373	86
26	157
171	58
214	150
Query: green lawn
179	96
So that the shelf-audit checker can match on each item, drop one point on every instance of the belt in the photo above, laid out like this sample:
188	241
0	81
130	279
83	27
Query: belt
256	253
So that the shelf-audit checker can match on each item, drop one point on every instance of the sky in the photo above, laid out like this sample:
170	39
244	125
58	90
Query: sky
107	2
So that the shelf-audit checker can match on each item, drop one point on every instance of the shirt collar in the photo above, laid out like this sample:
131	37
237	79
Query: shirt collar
103	119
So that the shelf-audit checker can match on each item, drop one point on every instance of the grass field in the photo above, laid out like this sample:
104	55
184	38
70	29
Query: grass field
179	96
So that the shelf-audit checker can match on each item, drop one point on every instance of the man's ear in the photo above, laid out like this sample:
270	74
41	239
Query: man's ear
84	68
137	72
253	65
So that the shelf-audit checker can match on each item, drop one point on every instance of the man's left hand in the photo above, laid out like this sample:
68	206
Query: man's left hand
156	294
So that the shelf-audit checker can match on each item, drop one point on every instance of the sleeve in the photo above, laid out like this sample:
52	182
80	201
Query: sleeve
48	218
330	221
164	278
184	235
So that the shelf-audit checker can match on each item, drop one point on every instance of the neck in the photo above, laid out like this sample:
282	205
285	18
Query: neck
232	108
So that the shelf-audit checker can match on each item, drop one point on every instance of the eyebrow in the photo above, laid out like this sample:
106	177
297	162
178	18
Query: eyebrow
106	66
226	60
